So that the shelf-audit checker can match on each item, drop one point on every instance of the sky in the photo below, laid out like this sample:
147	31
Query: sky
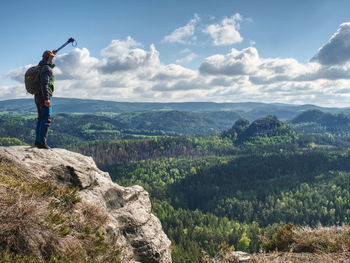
272	51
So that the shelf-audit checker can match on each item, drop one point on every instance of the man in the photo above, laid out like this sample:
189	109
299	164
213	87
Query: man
43	97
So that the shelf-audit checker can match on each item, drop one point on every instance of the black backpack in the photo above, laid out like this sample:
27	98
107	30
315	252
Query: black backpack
32	80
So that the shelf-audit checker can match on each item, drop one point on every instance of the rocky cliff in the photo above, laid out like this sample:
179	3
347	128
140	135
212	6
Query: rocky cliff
125	212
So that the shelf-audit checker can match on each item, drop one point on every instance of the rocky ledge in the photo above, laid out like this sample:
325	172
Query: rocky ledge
139	233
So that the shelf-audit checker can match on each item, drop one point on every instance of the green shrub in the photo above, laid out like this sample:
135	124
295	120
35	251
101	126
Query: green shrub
7	257
282	240
11	142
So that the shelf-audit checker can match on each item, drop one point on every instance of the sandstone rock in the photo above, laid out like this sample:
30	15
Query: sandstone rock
242	256
138	231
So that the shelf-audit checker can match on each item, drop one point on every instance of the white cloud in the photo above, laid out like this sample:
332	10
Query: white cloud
128	72
124	56
187	59
225	33
13	91
119	47
76	65
237	62
173	71
18	74
189	56
252	43
266	71
183	34
337	50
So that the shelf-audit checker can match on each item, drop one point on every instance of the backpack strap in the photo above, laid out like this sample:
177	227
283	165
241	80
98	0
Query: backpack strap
40	72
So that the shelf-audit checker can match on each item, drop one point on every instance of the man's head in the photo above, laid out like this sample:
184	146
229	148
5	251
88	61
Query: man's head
48	55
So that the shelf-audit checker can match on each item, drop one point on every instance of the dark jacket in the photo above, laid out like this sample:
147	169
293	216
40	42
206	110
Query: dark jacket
47	80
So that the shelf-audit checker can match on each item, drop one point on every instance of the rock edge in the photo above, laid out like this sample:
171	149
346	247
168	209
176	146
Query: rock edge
139	232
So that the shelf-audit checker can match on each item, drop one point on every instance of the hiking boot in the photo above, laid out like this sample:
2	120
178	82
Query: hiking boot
44	146
36	144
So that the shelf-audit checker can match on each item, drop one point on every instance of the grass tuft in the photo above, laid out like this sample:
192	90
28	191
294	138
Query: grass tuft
44	221
319	240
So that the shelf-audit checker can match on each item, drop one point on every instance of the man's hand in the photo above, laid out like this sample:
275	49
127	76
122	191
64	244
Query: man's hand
47	103
54	51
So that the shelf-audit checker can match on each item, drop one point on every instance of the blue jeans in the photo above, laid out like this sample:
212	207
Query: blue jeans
44	121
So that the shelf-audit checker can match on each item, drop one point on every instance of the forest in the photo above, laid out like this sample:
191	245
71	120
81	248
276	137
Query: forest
212	184
204	200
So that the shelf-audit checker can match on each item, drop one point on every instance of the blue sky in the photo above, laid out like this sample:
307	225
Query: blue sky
156	50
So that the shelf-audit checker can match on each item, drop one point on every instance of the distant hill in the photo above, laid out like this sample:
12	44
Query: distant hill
267	130
316	121
178	122
308	116
76	128
268	126
248	110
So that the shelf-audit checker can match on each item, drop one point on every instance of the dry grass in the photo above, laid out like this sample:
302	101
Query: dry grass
44	221
322	240
297	245
309	245
21	227
225	254
288	238
287	257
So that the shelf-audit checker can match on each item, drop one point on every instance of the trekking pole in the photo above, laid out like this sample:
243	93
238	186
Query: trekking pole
71	40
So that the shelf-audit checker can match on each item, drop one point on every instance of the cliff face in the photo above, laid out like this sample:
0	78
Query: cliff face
137	232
